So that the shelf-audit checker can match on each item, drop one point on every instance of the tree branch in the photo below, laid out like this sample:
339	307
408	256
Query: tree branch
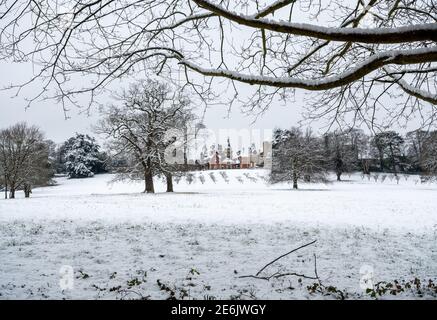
376	61
286	254
420	32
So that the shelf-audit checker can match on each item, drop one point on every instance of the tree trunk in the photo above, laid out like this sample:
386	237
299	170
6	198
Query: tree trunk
366	167
169	178
381	161
185	148
393	161
338	176
148	178
294	180
12	194
27	191
6	188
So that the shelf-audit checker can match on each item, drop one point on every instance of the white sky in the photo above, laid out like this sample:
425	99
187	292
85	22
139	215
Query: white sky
49	115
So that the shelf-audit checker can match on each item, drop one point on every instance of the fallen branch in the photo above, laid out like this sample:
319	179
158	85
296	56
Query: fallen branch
316	287
126	292
279	275
286	254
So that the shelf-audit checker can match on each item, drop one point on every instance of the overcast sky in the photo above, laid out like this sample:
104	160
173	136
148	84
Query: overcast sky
50	116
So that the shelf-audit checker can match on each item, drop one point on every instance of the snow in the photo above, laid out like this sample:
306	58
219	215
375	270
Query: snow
357	71
206	235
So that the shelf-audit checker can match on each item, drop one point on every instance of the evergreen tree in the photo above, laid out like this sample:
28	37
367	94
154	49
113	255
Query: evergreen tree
82	157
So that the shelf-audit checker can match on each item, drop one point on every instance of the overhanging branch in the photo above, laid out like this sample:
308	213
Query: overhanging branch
420	32
377	61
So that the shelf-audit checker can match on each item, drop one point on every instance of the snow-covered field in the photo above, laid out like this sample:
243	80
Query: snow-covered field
201	239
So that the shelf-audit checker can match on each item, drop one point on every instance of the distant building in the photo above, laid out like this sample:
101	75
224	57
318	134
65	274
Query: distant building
242	160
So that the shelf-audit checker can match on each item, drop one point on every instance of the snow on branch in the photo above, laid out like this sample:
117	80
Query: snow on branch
411	90
273	7
397	57
419	32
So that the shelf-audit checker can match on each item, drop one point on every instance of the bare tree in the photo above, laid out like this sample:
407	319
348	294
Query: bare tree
23	158
39	170
429	154
389	148
297	156
340	152
3	178
415	141
360	143
357	54
141	125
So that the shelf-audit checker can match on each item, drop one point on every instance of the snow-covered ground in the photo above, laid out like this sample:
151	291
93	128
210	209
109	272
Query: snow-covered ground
201	239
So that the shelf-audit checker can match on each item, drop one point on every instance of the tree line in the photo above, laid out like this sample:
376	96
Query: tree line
302	155
148	124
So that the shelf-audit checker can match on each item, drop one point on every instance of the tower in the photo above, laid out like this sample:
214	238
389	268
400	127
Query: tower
228	150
